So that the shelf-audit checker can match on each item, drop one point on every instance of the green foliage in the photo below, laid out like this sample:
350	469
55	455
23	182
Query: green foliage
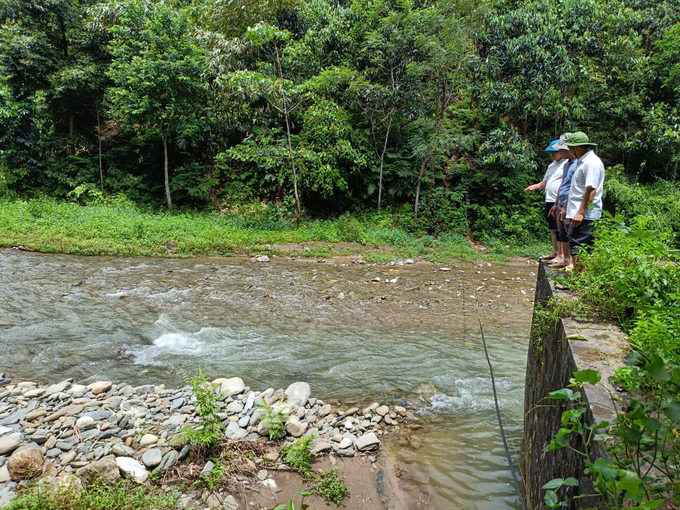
275	421
298	455
331	487
291	505
209	431
95	495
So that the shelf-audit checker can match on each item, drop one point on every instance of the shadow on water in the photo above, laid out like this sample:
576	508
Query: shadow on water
410	337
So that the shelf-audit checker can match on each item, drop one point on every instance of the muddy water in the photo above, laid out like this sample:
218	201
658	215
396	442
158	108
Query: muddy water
413	339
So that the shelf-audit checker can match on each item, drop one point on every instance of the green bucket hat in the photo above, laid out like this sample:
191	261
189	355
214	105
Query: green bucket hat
579	139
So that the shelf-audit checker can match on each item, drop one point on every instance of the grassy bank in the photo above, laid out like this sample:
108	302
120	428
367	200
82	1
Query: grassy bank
121	228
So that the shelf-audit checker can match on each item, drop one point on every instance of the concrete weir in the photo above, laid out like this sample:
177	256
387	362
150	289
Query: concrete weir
552	359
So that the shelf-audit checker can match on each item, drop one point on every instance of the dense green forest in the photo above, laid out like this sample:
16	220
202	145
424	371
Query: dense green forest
423	109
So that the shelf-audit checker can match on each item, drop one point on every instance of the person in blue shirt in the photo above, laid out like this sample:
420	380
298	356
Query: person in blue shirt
563	258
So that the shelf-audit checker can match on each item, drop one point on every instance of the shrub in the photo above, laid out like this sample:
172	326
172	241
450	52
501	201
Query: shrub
207	406
330	486
298	455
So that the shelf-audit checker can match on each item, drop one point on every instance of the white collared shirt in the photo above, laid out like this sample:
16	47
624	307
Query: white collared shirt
553	178
590	173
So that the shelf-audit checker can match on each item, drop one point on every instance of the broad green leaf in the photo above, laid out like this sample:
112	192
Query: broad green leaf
629	435
551	499
587	376
656	368
651	424
674	411
555	483
572	482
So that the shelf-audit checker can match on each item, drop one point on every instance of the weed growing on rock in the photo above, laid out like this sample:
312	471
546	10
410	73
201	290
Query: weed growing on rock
330	486
214	477
299	455
207	406
275	421
94	495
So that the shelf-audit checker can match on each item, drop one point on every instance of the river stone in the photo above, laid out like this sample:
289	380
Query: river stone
232	386
234	431
243	422
235	407
148	440
319	447
25	463
131	468
34	393
382	410
175	419
298	393
10	442
230	503
120	450
367	442
100	415
351	411
295	427
4	475
105	468
100	387
57	388
152	458
345	443
68	458
260	258
168	460
77	390
85	423
6	496
257	416
207	469
34	415
5	430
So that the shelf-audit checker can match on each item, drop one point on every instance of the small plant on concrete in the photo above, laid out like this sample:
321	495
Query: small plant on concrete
275	420
299	455
207	406
330	486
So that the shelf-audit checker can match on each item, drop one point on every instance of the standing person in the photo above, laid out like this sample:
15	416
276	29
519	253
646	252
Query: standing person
563	258
551	183
584	204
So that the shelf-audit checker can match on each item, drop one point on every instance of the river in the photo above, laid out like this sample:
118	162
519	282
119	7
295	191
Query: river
410	337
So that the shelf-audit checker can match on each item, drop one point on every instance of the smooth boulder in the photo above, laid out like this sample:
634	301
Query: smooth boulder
105	468
298	394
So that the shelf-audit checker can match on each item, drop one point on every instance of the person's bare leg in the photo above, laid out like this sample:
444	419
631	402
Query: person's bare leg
555	253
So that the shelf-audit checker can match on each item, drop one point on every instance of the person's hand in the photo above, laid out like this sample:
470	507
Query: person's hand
577	219
563	214
532	187
553	211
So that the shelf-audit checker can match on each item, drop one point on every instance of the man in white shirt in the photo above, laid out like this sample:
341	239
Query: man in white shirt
584	204
551	183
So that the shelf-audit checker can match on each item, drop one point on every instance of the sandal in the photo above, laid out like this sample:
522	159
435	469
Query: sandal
557	265
548	257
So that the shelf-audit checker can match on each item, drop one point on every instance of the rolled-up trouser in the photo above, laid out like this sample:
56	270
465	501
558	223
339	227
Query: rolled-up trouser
581	236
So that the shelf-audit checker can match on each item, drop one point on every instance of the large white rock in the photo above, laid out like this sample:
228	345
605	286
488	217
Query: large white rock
298	393
85	423
131	468
232	386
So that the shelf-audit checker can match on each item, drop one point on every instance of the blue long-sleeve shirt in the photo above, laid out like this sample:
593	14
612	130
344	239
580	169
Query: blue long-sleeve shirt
565	187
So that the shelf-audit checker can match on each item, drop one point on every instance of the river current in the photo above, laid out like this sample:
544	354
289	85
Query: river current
357	333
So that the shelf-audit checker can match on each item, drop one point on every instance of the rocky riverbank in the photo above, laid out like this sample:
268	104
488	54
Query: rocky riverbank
65	433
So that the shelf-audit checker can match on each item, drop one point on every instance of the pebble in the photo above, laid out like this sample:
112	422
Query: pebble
148	440
152	458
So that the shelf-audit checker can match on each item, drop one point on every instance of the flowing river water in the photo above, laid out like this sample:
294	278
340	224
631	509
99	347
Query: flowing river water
411	337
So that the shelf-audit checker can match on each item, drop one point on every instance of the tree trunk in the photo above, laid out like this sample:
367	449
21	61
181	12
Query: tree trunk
167	179
382	162
298	207
99	141
420	180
